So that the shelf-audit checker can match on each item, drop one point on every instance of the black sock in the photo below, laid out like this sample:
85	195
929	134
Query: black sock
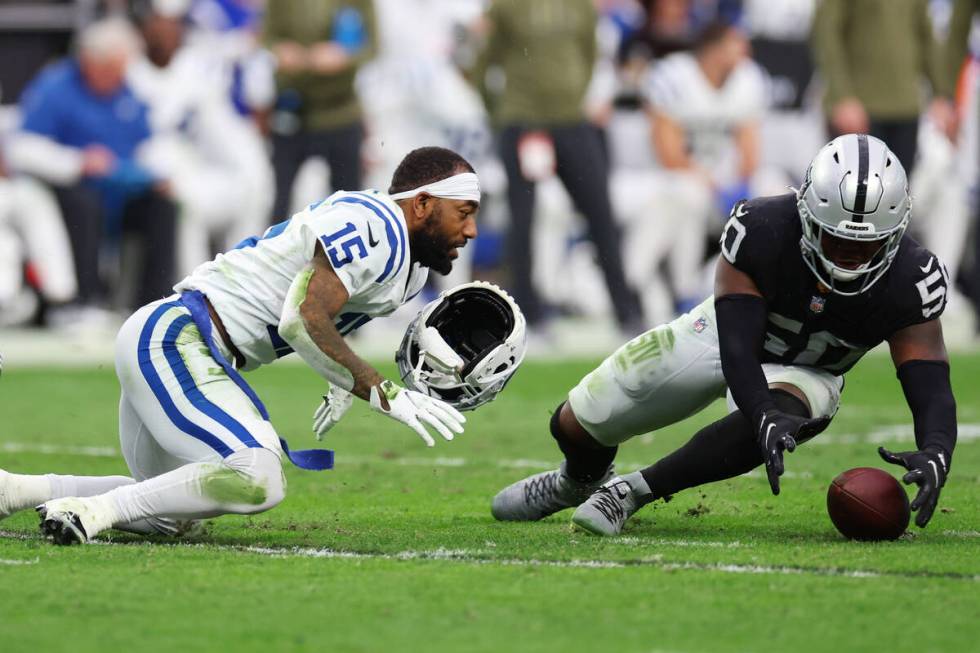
586	464
723	449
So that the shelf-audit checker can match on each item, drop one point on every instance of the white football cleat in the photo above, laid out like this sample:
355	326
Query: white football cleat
543	494
71	520
606	511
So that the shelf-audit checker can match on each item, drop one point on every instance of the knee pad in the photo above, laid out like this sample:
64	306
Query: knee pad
260	481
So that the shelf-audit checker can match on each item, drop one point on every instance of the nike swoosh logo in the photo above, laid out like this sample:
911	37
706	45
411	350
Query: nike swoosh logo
769	432
740	210
928	266
372	241
935	472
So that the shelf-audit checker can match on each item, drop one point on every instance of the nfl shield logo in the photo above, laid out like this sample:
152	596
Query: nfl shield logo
817	303
700	324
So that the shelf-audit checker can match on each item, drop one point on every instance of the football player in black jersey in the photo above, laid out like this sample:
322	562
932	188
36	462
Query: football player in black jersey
807	283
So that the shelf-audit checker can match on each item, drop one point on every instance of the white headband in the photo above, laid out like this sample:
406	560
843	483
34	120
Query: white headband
465	186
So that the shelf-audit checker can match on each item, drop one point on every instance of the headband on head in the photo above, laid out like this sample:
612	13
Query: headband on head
464	186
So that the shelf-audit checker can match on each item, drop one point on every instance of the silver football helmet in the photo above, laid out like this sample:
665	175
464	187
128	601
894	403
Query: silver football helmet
857	190
464	346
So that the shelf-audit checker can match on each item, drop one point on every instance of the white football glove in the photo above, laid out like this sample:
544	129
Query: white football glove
414	408
335	404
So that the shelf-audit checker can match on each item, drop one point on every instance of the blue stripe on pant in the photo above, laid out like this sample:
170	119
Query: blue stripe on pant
189	388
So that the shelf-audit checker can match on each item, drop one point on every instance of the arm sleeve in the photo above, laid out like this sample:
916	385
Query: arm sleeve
829	51
741	332
930	397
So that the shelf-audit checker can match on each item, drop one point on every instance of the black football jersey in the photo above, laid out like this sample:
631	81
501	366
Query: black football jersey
808	324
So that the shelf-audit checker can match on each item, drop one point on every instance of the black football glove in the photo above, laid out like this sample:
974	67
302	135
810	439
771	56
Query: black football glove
779	432
927	469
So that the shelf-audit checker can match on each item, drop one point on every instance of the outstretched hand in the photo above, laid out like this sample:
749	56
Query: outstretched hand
779	432
927	469
417	411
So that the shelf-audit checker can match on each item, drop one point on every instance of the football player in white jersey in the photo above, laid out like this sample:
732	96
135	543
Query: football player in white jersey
705	110
196	438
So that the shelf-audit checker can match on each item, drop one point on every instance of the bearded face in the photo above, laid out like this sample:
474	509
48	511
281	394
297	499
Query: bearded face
434	246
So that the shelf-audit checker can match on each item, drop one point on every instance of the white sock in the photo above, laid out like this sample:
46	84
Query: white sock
25	491
639	486
239	484
22	491
83	486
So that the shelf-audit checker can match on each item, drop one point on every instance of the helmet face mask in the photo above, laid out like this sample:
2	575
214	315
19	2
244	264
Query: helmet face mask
464	346
855	190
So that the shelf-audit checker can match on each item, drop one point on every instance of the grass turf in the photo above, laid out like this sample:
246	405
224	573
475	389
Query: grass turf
396	550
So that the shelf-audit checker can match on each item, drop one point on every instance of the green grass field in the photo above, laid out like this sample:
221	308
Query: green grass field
395	550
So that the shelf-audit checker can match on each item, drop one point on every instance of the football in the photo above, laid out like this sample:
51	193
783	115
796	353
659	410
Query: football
868	504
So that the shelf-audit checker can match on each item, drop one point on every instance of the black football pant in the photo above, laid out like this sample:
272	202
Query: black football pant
150	215
582	166
901	137
340	147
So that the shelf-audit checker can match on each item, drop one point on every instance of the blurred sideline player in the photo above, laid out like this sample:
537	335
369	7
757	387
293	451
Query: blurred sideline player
412	94
705	110
31	231
214	158
780	332
196	438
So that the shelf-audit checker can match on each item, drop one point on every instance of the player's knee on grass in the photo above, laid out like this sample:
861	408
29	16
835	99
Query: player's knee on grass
565	427
248	481
586	459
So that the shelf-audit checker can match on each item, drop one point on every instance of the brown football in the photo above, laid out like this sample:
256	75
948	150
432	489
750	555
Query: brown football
866	503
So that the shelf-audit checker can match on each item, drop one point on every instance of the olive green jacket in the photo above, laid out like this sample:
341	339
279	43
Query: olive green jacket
546	50
326	101
878	51
959	33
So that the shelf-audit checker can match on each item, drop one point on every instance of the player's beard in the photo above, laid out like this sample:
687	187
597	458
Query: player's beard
430	247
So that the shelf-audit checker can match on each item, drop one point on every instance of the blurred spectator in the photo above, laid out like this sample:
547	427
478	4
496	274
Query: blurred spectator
228	30
962	63
780	34
32	240
874	80
81	129
214	157
669	28
546	51
705	112
413	95
319	46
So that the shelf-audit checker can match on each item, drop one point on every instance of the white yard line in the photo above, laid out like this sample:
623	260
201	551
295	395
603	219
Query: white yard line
480	557
59	450
17	563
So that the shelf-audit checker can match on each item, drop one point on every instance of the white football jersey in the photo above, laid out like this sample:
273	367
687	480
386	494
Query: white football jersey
364	237
708	115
